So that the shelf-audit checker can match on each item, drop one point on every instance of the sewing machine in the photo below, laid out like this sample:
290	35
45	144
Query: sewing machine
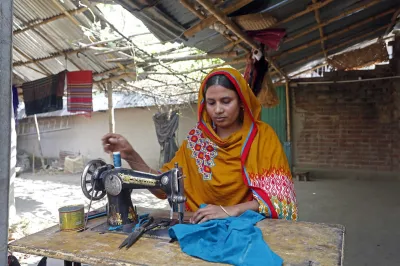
100	179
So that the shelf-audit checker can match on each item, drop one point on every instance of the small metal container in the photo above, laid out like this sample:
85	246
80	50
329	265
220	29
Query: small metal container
72	218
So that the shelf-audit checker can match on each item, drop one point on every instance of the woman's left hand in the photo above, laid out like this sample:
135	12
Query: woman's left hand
212	212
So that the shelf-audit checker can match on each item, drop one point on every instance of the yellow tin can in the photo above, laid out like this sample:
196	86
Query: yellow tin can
72	218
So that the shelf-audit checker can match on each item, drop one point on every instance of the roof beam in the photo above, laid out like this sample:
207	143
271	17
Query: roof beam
321	29
43	22
190	6
332	35
54	55
47	38
343	44
66	13
178	59
45	70
394	19
207	22
78	24
309	9
236	30
115	78
329	21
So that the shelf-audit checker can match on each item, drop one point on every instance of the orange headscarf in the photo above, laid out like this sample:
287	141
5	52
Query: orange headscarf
250	164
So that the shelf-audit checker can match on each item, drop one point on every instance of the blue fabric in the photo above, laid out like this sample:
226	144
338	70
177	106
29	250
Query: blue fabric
233	240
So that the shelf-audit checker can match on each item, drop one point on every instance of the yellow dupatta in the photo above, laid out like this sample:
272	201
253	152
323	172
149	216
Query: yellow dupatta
250	164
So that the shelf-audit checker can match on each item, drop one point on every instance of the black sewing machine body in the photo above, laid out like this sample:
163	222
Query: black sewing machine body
100	179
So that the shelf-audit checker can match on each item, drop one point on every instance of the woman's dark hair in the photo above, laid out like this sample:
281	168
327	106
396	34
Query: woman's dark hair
221	80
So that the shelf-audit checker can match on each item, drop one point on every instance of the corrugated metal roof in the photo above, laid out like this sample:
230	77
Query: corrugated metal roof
210	41
48	39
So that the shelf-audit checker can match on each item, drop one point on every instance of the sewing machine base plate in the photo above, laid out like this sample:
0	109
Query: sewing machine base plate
158	233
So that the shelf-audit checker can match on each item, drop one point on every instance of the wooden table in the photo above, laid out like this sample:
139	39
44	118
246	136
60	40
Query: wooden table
298	243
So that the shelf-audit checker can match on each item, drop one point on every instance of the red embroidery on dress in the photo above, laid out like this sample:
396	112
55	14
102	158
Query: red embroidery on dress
203	151
280	189
276	183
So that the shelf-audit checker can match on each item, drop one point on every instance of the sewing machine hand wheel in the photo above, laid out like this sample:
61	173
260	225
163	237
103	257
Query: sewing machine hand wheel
87	179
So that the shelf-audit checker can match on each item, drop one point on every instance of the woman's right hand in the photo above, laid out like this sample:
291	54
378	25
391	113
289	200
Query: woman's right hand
114	142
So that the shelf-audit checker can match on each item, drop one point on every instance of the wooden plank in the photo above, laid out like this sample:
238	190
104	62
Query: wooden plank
298	243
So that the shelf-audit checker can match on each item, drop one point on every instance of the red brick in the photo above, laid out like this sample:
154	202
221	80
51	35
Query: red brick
343	125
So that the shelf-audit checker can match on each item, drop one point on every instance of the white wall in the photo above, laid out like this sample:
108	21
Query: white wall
85	134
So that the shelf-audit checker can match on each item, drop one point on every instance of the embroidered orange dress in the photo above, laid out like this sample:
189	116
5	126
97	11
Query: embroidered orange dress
250	164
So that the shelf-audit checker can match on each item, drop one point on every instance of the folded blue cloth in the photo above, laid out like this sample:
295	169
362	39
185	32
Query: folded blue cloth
233	240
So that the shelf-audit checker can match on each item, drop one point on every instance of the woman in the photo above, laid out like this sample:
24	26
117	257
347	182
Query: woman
232	161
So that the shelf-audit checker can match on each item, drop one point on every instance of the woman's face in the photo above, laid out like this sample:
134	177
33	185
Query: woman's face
223	106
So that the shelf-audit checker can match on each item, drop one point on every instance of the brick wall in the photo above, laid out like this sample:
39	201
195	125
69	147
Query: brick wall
347	126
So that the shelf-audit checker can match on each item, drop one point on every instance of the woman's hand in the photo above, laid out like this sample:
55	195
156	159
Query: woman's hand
114	142
212	212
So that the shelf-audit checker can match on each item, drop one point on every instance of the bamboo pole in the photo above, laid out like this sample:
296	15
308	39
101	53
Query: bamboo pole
48	39
39	143
178	59
320	28
309	9
327	22
235	29
191	7
111	117
43	22
333	35
66	13
48	72
394	19
201	16
77	23
114	39
101	17
207	22
114	78
127	48
287	92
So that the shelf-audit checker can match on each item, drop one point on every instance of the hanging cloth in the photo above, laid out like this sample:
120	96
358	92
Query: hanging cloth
166	126
44	95
79	91
15	102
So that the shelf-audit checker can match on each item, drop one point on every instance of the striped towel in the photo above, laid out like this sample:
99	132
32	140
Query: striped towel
79	91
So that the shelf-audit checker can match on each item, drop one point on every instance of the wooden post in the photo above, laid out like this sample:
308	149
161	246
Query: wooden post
39	144
288	112
111	118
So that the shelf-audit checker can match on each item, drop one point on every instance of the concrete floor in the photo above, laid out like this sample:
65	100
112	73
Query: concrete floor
370	211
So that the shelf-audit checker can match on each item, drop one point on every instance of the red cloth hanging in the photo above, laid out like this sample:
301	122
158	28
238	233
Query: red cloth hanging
270	37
